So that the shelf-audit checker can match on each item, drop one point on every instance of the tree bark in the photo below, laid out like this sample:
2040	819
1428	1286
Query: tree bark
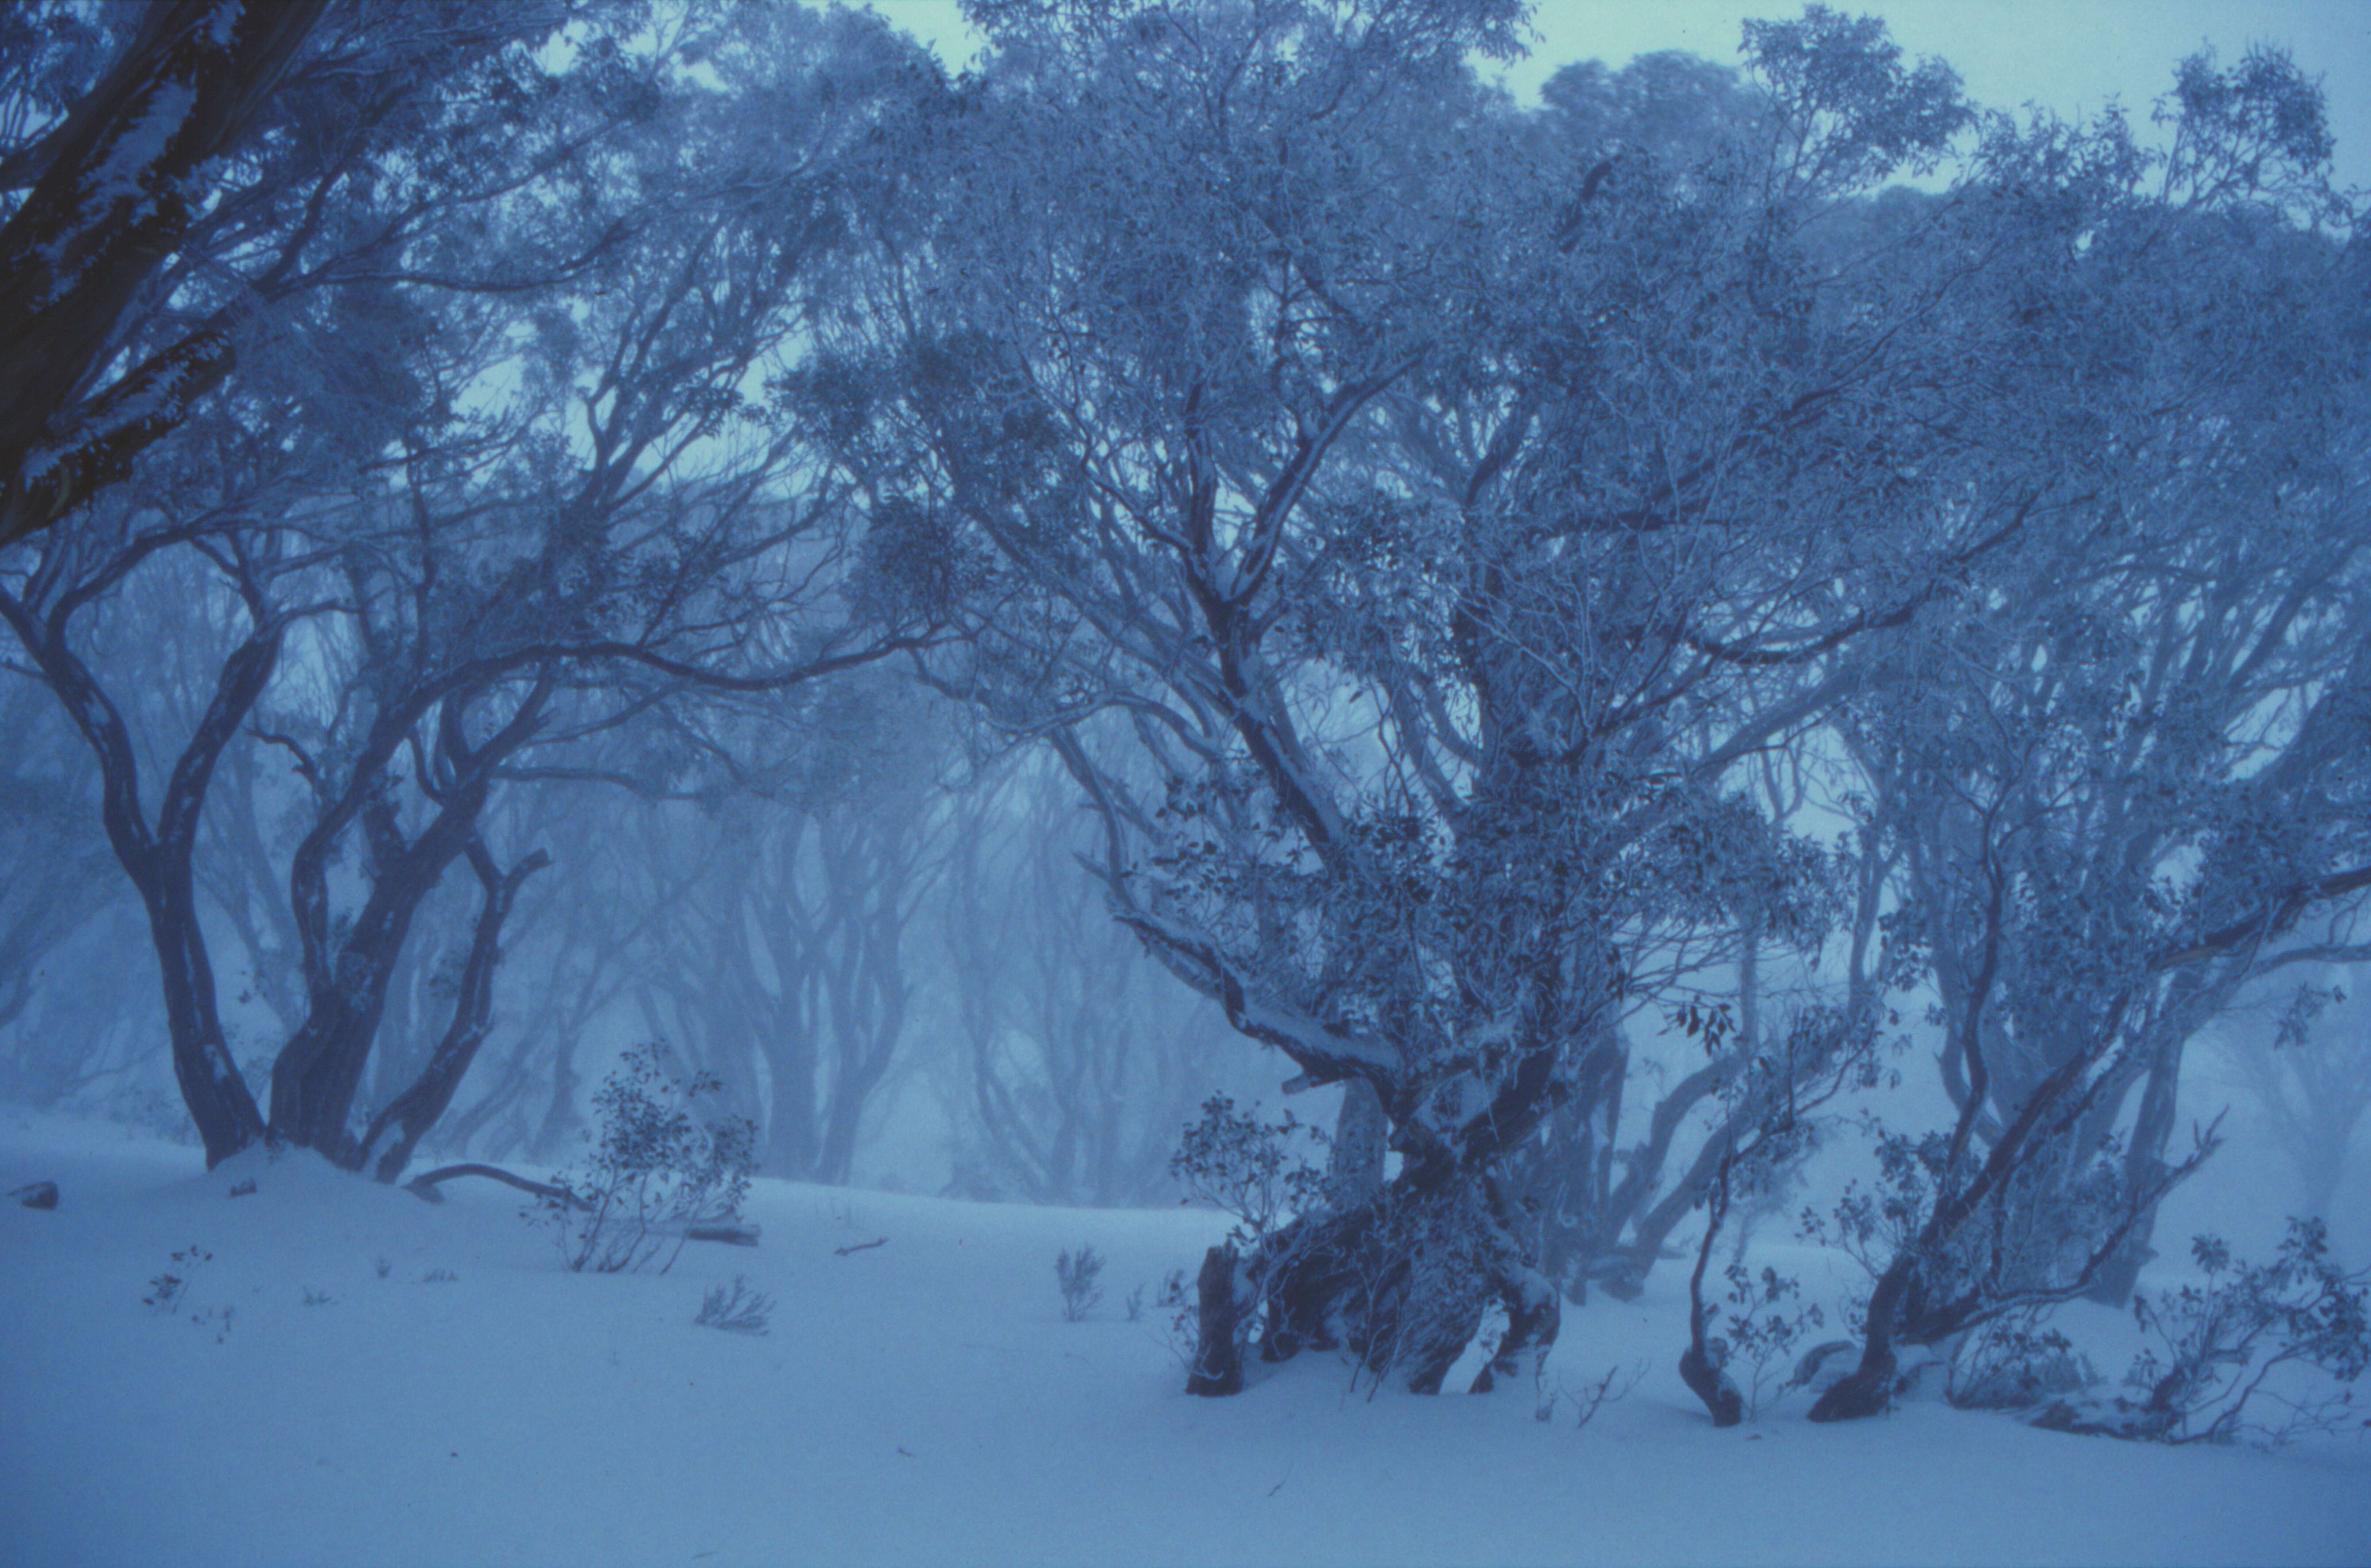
1698	1369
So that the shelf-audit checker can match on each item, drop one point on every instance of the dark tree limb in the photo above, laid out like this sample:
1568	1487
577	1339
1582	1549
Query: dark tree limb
424	1185
98	221
1698	1370
417	1108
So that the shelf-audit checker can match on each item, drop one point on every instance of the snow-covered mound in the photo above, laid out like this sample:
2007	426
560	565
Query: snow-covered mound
353	1376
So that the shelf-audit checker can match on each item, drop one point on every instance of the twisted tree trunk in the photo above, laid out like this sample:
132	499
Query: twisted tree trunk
1402	1280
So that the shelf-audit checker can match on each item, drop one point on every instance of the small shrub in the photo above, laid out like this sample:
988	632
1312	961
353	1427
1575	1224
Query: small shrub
1180	1324
657	1168
1250	1169
1077	1272
318	1297
2013	1363
1588	1398
736	1309
383	1266
1762	1335
2216	1346
439	1276
170	1290
1134	1305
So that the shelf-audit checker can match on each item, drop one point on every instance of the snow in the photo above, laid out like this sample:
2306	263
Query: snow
918	1401
123	173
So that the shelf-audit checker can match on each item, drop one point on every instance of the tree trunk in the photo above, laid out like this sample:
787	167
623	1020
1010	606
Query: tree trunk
1698	1368
416	1110
1402	1280
1867	1389
1217	1351
158	858
1355	1171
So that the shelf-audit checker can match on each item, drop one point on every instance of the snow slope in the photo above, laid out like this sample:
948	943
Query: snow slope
918	1401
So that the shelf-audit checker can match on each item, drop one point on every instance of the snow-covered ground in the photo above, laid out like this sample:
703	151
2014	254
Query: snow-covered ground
917	1401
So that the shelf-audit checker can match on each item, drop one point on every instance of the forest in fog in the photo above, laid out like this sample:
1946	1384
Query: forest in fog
1520	696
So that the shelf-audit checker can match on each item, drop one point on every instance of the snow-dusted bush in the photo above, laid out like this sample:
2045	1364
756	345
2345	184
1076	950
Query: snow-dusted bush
735	1309
1250	1169
2253	1335
657	1168
1075	1272
2014	1362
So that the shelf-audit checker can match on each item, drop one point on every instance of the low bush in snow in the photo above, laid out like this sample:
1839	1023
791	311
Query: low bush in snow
169	1291
2275	1335
1075	1272
2014	1362
1587	1398
735	1309
1763	1334
657	1168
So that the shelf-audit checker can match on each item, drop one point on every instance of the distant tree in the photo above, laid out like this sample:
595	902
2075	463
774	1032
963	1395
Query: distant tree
787	964
56	872
1080	1056
2311	1079
480	582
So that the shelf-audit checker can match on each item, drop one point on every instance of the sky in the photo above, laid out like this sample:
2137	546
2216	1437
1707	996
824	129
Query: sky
2069	56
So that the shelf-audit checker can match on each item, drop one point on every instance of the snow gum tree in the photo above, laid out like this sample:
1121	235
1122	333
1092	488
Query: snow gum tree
1444	515
2112	760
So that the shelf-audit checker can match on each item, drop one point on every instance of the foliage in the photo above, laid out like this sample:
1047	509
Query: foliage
2015	1362
2253	1335
1076	1273
1253	1170
1764	1327
657	1167
735	1309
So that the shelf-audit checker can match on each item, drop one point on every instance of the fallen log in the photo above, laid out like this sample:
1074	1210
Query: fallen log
732	1232
424	1186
